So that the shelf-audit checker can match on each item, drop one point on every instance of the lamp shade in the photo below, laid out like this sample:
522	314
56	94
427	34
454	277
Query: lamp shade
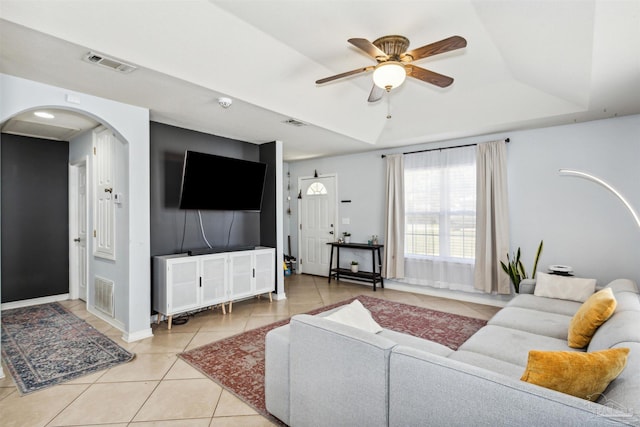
389	75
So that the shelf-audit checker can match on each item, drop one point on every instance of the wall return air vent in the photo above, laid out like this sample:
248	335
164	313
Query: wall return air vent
111	63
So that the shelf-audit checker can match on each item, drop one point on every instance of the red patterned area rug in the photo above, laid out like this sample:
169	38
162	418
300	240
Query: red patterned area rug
237	362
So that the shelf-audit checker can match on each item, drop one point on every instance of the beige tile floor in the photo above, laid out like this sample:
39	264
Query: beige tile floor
159	389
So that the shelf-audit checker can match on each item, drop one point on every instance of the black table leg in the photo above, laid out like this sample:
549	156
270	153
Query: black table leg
338	263
380	268
373	267
331	264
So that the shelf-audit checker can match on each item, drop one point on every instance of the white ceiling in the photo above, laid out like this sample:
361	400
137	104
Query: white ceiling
527	64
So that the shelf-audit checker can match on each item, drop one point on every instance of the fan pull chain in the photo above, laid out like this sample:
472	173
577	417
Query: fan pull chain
389	105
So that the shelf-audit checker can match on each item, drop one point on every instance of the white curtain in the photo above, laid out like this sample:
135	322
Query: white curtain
440	190
393	266
492	218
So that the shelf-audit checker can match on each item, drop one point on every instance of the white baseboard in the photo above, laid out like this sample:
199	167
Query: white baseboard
33	301
137	336
102	316
279	297
479	298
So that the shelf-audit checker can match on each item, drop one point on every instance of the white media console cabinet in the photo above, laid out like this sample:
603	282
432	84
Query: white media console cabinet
183	283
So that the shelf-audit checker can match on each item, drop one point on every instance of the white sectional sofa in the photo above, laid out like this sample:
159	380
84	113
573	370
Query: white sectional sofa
323	373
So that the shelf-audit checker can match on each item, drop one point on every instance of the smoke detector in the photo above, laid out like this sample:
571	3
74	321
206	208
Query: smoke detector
225	102
110	63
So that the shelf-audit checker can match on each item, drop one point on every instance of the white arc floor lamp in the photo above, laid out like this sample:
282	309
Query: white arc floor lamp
569	172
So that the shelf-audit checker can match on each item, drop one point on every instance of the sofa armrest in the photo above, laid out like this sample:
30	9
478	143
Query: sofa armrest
424	386
527	286
276	373
338	374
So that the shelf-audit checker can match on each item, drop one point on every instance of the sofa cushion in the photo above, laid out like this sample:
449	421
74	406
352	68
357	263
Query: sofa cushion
627	301
623	285
524	319
510	345
563	287
624	392
355	314
621	327
488	363
593	313
584	375
545	305
415	342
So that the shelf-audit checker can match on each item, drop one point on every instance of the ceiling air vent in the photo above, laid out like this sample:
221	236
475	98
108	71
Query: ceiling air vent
111	63
294	122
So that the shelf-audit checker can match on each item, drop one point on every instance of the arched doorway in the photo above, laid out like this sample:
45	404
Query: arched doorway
132	125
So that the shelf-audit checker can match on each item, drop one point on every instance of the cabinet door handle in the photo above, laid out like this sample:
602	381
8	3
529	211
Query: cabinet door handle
200	281
254	273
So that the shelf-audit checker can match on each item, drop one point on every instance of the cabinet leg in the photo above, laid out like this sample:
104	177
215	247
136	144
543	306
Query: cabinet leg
223	309
169	319
230	306
270	297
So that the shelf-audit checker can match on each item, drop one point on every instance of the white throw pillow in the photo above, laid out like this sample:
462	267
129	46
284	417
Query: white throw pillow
356	315
564	287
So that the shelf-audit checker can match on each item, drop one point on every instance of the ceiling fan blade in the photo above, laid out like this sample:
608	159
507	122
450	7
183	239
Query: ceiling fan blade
446	45
428	76
376	94
345	74
369	48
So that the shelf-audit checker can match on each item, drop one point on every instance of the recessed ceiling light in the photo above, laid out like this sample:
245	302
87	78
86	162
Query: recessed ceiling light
44	115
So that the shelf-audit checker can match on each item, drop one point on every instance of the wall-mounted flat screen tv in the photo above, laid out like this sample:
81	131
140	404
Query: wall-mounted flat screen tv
211	182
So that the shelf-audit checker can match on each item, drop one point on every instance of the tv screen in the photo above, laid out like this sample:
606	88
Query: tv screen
211	182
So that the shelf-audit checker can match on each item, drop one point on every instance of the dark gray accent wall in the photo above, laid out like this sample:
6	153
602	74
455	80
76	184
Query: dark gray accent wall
174	230
35	217
268	214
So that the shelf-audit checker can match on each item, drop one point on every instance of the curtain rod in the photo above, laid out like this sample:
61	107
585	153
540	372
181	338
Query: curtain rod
440	149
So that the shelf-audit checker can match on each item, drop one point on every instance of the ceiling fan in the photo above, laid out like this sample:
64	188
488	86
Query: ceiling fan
394	62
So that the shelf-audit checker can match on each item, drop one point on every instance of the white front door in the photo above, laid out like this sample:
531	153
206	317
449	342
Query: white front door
78	222
317	223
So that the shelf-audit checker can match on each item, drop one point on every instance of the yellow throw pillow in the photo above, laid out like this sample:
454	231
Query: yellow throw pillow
584	375
591	314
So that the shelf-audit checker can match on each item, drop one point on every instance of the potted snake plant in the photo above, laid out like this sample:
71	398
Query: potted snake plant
515	268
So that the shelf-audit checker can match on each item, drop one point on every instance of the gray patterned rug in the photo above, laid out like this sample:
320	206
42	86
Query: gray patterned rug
44	345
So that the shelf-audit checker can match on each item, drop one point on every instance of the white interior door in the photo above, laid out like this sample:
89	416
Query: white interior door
78	221
104	234
317	221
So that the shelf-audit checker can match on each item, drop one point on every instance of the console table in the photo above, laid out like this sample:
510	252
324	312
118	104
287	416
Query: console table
365	276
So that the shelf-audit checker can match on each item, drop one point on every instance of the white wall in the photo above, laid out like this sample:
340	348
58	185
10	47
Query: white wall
118	269
131	125
582	224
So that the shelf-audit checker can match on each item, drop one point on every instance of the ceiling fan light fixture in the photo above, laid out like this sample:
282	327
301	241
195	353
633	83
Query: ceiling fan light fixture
389	75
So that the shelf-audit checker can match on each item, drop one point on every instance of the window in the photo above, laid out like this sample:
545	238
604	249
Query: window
316	189
440	204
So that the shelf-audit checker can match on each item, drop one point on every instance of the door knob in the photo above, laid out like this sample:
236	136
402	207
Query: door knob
331	232
77	239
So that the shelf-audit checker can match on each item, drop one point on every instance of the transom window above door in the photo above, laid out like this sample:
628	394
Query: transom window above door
316	189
